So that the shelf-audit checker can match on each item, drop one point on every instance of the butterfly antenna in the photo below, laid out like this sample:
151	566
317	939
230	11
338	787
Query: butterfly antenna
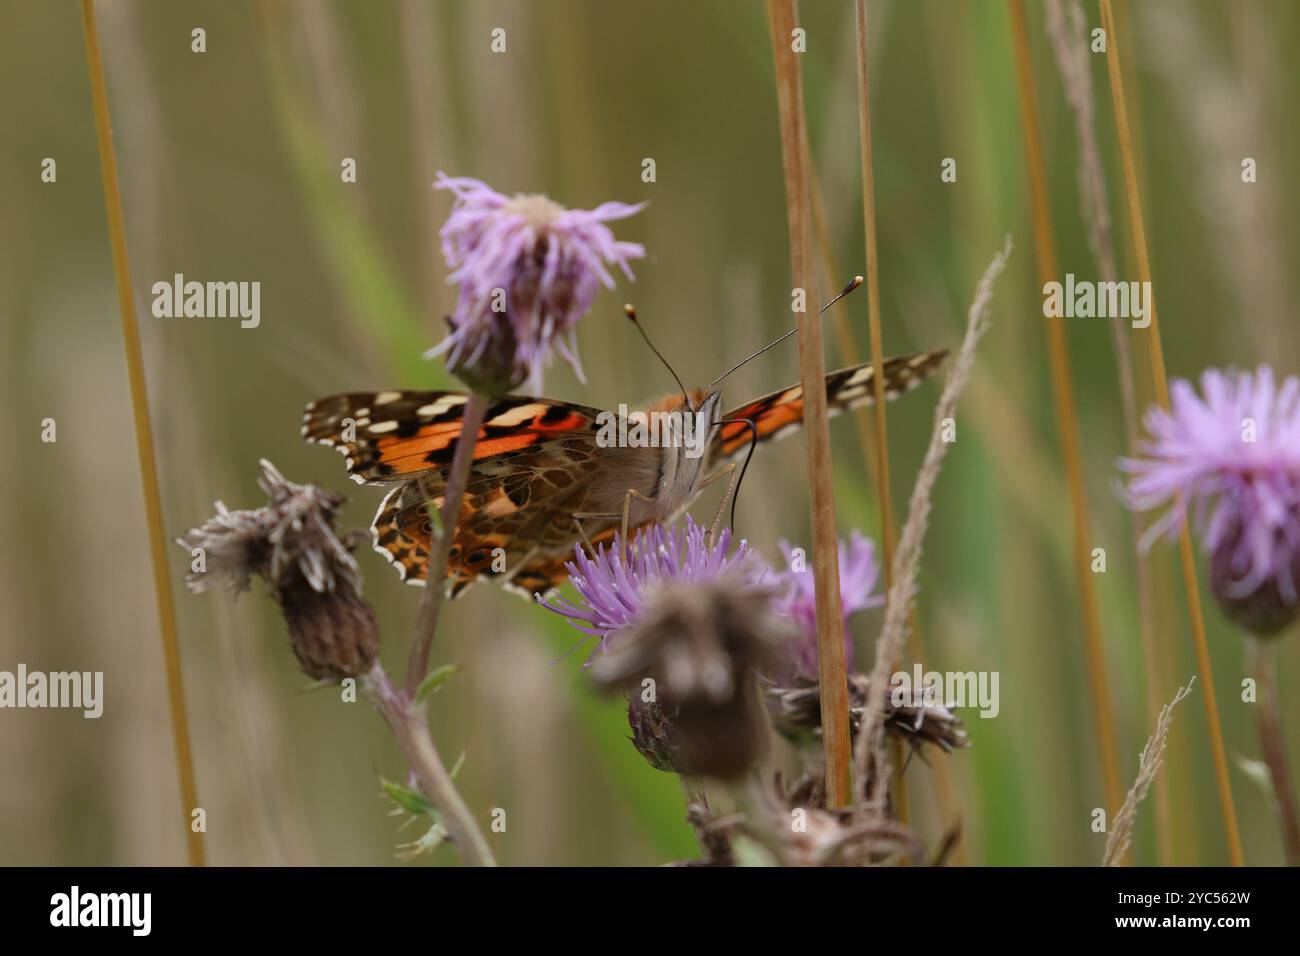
630	312
857	281
740	479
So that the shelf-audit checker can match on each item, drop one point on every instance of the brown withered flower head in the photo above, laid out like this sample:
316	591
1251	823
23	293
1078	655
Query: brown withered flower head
795	706
291	544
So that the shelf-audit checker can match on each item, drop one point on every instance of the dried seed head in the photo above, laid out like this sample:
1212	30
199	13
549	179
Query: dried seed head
291	544
333	634
795	707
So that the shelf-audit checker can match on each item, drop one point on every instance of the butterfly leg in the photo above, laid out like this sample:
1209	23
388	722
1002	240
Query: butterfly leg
632	494
582	533
627	509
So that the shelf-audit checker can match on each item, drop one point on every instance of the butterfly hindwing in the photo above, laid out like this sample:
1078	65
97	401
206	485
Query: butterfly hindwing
516	519
780	413
531	470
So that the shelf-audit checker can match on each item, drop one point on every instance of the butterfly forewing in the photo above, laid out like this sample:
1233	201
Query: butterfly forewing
780	413
394	435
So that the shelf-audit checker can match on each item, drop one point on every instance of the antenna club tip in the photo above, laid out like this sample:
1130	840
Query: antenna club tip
857	281
629	310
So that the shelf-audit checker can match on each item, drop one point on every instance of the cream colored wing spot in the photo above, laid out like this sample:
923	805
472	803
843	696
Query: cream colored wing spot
440	407
516	416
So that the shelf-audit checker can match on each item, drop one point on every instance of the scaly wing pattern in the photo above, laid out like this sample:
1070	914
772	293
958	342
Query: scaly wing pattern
780	413
526	482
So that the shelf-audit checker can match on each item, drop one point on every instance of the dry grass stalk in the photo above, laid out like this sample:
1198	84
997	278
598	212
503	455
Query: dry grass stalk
848	346
143	436
881	433
1067	31
1121	830
1066	417
873	294
1156	354
812	367
870	750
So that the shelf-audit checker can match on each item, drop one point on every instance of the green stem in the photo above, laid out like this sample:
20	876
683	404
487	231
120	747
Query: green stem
1263	654
410	726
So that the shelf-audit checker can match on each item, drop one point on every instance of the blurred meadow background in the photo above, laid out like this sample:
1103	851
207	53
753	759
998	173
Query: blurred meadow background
230	167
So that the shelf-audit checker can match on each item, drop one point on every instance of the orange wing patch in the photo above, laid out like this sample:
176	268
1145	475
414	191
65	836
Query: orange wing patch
526	482
777	415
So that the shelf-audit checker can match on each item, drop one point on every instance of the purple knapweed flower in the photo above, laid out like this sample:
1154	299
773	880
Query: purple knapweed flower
528	270
858	575
614	585
1232	455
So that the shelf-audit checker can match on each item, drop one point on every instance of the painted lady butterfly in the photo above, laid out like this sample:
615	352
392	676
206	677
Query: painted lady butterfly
541	482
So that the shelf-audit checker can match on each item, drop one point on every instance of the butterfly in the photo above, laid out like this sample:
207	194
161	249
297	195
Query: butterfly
545	478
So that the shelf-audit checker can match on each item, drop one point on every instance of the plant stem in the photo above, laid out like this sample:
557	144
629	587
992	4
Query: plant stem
1263	664
883	491
1156	355
410	726
143	436
426	620
404	714
832	671
1067	31
873	769
873	297
1066	418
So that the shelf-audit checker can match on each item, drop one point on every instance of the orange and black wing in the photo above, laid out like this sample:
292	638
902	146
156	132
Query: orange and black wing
397	435
531	460
779	414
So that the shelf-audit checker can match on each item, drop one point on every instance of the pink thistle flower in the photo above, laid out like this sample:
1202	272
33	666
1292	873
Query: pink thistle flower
528	270
1232	455
616	585
859	573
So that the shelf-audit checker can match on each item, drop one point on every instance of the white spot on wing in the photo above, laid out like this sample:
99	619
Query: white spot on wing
517	416
434	409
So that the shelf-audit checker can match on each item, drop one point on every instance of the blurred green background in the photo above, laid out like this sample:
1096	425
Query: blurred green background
230	171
